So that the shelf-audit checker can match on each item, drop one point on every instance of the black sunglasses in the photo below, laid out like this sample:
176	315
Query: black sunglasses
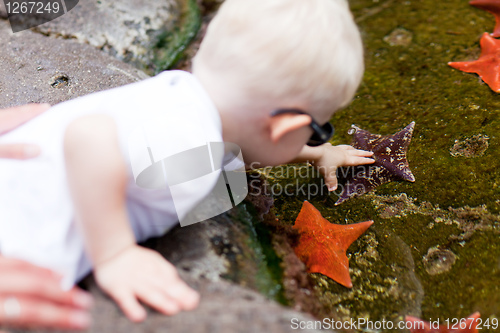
321	134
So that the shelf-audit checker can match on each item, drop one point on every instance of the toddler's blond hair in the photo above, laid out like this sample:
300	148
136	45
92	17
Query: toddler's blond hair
288	50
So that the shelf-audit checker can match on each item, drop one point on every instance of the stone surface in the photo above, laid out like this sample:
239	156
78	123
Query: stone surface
225	247
225	307
125	29
36	68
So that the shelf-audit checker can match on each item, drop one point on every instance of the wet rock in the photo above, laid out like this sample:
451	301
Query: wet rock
298	284
204	253
224	307
36	68
124	29
399	37
438	261
194	249
224	247
474	146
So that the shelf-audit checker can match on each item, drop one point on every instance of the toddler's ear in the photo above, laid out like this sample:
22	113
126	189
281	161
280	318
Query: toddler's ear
283	124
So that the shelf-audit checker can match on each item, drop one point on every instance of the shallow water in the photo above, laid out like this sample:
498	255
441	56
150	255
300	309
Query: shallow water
434	250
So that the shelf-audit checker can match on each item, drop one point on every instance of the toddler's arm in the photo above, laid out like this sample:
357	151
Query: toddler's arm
98	177
328	158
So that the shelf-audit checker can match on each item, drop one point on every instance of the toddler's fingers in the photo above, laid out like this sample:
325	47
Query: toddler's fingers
356	160
187	298
40	314
175	288
16	116
35	282
130	306
331	182
359	152
19	151
345	147
158	300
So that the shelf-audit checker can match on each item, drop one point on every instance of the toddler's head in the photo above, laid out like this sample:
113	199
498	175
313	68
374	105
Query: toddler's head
263	55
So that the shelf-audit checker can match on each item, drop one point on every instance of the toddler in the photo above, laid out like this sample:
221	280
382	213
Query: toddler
267	78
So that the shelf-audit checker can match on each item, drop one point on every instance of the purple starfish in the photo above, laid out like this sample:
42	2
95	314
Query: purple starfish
390	161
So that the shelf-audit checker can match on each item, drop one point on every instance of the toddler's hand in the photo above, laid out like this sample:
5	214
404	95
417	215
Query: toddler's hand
139	274
339	156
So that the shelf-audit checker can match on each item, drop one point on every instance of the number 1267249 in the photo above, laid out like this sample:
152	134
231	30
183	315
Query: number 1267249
32	7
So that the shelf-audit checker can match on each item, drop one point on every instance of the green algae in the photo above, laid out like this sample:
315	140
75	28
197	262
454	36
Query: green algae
415	83
259	258
455	202
171	44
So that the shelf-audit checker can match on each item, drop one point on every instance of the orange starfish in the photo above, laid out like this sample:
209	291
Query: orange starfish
488	64
468	325
323	245
492	6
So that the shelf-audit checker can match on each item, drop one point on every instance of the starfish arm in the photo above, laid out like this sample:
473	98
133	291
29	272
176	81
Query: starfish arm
397	169
473	322
347	234
332	263
488	44
487	68
417	325
493	8
392	154
475	66
363	139
488	64
309	218
492	79
359	181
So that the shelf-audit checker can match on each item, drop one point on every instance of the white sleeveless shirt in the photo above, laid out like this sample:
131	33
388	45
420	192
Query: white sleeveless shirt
36	211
